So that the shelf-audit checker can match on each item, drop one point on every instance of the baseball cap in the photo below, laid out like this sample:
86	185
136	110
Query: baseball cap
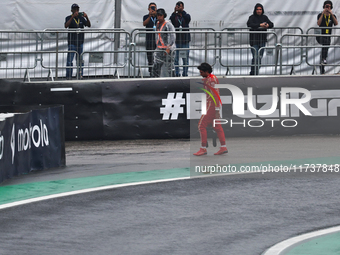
161	12
74	6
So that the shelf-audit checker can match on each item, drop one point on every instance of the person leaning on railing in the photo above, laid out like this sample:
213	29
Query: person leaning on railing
165	43
326	19
258	22
75	40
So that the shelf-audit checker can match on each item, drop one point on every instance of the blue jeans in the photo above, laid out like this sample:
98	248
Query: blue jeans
185	60
70	56
257	56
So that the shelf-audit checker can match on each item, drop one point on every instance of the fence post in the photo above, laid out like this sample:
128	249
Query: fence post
56	56
278	48
117	24
205	47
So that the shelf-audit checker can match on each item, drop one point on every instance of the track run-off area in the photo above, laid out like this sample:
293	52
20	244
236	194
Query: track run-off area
141	196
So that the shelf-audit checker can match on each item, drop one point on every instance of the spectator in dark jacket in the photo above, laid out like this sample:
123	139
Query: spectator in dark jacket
181	19
150	22
258	22
75	40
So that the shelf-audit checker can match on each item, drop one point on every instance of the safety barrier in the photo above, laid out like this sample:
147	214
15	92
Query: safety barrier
40	53
201	40
116	53
306	51
237	46
31	138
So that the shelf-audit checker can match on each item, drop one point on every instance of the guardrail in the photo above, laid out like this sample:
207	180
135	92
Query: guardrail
115	53
41	53
307	51
201	38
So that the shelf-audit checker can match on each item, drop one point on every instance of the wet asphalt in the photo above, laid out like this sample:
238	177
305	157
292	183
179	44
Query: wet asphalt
224	214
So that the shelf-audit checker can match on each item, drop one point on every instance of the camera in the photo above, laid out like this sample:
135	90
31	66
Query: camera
80	14
153	8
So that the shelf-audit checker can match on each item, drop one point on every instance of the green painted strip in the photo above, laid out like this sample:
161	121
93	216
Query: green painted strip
315	165
13	193
325	245
9	194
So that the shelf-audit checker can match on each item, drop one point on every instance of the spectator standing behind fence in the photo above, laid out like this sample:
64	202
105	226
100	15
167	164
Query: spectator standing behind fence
258	22
325	19
181	19
75	40
165	43
150	22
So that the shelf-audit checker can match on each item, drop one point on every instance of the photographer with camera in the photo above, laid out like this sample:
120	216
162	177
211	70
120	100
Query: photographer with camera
326	19
150	22
75	40
258	22
181	19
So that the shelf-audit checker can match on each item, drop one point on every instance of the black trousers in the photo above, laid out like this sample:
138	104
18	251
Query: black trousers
325	41
149	55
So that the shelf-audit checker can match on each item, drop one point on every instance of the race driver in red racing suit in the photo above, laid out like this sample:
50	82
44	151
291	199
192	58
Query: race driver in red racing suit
213	111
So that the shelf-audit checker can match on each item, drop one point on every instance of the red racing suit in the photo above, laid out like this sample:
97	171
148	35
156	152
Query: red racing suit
207	119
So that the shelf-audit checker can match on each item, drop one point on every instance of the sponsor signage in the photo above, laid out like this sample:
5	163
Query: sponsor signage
32	140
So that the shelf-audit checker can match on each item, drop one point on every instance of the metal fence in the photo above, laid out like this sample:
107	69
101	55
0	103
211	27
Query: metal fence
304	54
201	40
39	54
116	53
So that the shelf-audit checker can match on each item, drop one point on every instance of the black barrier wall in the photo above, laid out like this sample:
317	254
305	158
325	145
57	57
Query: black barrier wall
160	108
287	117
33	139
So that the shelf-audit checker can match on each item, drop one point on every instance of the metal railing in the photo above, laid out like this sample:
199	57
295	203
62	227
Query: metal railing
201	38
307	53
237	56
39	53
115	53
105	51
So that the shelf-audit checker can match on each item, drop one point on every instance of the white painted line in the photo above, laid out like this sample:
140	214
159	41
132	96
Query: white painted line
282	247
61	89
76	192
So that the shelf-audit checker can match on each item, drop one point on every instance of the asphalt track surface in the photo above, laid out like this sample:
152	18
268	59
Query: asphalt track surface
215	214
